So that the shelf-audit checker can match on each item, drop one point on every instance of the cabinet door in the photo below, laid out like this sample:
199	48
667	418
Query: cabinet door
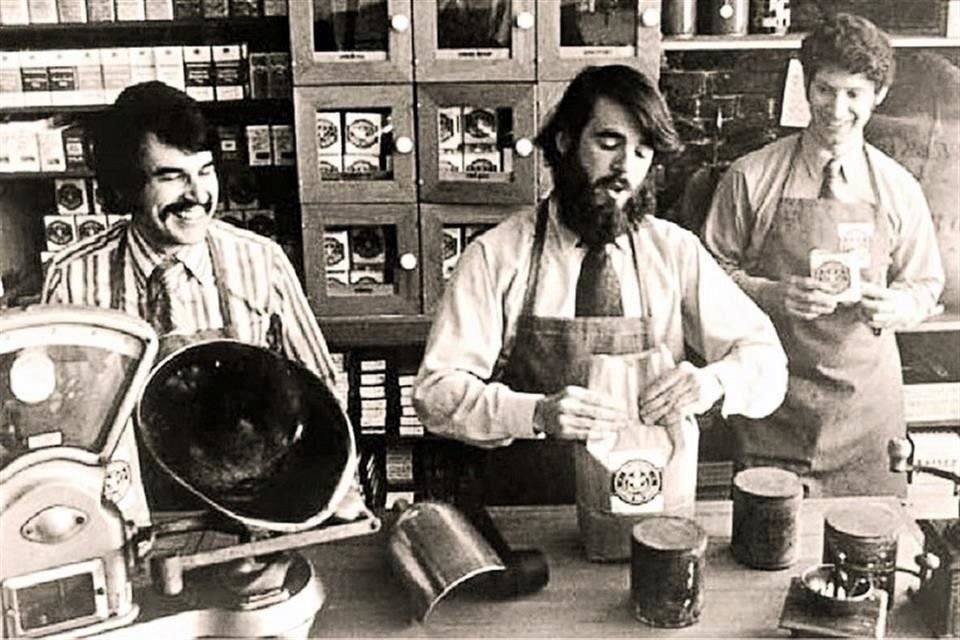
476	143
355	143
445	231
548	95
575	33
361	259
337	42
470	40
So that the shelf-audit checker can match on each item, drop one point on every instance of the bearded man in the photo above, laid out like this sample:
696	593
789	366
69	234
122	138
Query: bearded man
589	271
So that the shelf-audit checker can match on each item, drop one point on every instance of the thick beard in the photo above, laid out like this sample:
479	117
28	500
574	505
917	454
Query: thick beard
588	210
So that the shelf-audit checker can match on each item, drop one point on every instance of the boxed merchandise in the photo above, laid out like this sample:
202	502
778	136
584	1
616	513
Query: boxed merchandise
158	9
481	159
335	251
373	365
70	195
284	147
11	84
259	147
62	76
228	72
479	126
142	66
89	225
330	167
450	161
101	11
74	148
198	72
231	144
450	128
43	11
21	151
89	76
259	75
280	86
362	133
60	231
244	8
14	12
327	127
131	10
359	167
169	66
51	150
275	8
839	271
34	78
367	247
116	72
96	198
215	8
187	9
72	11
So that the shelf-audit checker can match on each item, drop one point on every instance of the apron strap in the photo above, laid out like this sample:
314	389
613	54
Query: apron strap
217	262
529	294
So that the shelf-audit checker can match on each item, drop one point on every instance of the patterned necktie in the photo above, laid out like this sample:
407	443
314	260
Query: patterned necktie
598	288
160	313
830	185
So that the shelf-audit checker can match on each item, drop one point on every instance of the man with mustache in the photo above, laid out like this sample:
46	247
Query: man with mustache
191	276
827	190
508	354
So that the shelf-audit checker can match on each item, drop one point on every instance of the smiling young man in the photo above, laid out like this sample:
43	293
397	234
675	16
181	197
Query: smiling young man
589	271
827	190
191	276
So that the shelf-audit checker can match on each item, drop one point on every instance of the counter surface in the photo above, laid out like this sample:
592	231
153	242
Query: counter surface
585	599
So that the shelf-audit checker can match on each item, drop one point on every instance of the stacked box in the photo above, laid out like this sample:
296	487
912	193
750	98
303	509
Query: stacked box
70	194
244	8
75	148
72	11
158	9
116	72
20	151
13	12
231	144
50	148
367	257
342	384
409	423
329	144
198	72
259	75
169	66
399	474
101	11
43	11
131	10
142	65
215	8
187	9
373	396
228	71
11	83
89	77
336	247
60	231
34	78
275	8
259	146
280	85
89	225
62	76
283	146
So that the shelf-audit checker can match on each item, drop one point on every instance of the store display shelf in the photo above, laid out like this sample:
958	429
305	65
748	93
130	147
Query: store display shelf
789	41
345	332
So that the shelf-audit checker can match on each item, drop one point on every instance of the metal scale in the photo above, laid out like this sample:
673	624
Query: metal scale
82	553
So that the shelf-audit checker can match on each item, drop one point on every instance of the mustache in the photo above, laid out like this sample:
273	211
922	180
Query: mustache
183	205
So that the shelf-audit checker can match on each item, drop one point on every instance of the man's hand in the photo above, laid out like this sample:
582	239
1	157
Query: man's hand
884	308
681	391
576	413
806	298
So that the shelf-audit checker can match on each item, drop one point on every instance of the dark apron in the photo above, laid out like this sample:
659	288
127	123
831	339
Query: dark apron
162	492
545	355
844	398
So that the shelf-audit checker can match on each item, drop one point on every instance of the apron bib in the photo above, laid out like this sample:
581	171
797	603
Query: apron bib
545	355
844	398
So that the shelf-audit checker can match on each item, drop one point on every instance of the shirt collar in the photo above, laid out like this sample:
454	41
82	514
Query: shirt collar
816	157
195	257
568	238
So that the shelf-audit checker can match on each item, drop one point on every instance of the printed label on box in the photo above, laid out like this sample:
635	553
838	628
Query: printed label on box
259	147
71	195
188	9
142	65
72	11
90	225
50	147
327	127
449	128
259	75
228	72
243	8
158	9
839	271
169	66
361	167
198	72
11	84
13	12
280	86
59	231
335	255
89	77
216	8
131	10
362	135
101	11
479	126
481	160
43	11
284	147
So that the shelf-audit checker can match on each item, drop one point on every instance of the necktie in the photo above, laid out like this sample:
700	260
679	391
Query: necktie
598	288
160	313
830	185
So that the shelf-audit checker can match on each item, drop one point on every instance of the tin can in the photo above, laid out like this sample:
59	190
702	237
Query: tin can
679	17
770	16
766	507
863	540
725	17
666	571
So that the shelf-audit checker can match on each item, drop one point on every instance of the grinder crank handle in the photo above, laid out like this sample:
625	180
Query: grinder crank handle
527	569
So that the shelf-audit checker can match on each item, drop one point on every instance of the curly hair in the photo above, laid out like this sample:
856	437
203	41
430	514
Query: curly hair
621	84
149	107
851	43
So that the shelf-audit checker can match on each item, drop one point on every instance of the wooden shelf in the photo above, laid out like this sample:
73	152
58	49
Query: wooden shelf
789	41
347	332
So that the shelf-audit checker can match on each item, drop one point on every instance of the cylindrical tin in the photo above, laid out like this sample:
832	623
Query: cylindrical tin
863	540
766	507
679	17
666	571
770	16
725	17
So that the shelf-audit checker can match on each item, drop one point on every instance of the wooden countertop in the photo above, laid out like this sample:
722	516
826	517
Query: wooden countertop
585	599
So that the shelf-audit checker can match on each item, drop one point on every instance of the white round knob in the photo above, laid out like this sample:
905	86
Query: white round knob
523	147
399	23
408	262
650	18
524	20
726	11
403	145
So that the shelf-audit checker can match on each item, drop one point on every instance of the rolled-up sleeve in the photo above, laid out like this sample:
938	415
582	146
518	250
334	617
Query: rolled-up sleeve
735	337
453	394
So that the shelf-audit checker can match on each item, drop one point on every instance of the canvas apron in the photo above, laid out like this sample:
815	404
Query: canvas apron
545	355
844	394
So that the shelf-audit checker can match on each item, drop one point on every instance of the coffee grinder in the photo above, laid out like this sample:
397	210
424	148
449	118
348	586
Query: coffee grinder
260	442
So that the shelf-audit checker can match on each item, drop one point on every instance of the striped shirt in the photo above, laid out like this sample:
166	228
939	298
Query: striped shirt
258	278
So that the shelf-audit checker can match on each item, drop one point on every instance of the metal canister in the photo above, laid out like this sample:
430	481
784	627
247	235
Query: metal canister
770	16
766	508
666	571
862	539
679	17
725	17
